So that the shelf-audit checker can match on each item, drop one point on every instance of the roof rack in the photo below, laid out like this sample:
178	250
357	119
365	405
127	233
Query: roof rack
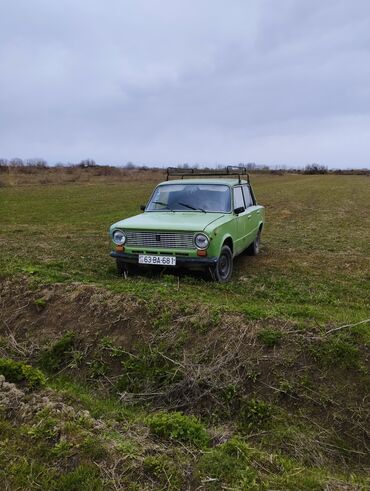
230	170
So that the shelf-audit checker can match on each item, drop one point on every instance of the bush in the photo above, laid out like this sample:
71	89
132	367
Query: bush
16	371
315	169
179	427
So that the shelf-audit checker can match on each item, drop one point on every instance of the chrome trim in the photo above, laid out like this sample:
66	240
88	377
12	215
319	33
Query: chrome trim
123	236
163	240
195	241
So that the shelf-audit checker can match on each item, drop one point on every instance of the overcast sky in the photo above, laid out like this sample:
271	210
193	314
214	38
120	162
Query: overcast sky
175	81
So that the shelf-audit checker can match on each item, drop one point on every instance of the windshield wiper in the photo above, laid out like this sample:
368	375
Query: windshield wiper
163	204
191	207
159	203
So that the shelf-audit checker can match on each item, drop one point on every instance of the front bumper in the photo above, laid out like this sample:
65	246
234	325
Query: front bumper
181	261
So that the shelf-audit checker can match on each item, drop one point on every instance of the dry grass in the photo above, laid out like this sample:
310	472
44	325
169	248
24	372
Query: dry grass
33	176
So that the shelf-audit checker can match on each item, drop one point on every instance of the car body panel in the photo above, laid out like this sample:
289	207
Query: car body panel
169	221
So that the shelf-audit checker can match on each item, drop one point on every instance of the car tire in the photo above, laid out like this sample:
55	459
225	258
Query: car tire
126	269
254	248
224	266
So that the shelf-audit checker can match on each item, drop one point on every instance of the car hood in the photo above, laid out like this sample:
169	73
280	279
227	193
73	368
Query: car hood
169	221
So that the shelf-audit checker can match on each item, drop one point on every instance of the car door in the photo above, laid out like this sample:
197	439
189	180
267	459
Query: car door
252	215
242	226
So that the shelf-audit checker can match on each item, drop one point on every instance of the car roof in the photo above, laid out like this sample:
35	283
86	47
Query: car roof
227	182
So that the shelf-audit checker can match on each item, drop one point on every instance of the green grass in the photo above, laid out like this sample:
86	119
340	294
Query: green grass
106	407
312	267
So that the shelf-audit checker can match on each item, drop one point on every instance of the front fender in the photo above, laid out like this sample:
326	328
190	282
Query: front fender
218	240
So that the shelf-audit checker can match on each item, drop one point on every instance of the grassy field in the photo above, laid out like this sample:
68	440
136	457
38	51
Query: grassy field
175	382
313	265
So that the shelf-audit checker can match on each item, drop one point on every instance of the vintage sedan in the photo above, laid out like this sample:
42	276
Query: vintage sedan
197	222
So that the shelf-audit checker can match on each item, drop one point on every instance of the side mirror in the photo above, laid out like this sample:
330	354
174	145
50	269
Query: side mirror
142	207
239	210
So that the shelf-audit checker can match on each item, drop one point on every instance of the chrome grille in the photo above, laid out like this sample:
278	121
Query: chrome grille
165	240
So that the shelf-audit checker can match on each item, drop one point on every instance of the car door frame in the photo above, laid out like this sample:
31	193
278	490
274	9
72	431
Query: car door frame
253	214
241	221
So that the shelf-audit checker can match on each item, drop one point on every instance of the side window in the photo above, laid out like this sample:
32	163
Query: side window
238	198
247	196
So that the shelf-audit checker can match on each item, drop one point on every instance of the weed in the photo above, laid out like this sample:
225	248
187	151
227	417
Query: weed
126	447
149	368
93	448
164	470
114	351
62	449
28	475
76	359
230	392
253	375
287	388
30	270
270	337
107	407
254	413
227	467
82	478
162	320
339	350
59	354
16	371
46	428
179	427
40	303
98	368
255	312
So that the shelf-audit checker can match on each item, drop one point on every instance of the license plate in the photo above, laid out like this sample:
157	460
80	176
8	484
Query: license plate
160	260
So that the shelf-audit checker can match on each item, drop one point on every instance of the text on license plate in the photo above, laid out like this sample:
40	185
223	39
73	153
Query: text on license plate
161	260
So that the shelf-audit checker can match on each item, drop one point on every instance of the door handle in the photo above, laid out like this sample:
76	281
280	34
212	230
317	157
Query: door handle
249	216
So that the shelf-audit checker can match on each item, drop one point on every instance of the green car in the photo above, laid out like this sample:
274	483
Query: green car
198	222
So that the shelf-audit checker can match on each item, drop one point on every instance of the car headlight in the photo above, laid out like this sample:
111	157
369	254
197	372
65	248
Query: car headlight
201	241
118	237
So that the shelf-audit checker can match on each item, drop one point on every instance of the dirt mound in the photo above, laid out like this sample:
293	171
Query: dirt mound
31	313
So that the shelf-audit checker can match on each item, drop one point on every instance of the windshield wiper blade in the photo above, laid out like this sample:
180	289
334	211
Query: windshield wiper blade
163	204
191	207
159	203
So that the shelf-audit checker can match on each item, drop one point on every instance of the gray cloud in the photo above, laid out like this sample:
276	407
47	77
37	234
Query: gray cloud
173	81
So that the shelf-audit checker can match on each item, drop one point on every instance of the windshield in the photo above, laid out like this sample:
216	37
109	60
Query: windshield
191	197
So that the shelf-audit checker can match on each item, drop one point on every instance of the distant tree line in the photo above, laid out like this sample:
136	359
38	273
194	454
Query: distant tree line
28	166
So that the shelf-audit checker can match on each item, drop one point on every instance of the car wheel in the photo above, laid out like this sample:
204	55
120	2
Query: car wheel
254	248
126	269
224	267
